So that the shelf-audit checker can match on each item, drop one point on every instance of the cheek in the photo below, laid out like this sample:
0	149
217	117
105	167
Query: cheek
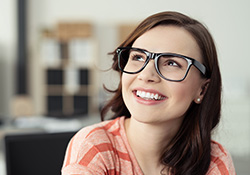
126	81
184	92
190	88
183	95
126	95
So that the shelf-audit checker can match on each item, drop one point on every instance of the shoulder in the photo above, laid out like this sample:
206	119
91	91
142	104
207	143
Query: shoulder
99	131
97	135
221	161
93	147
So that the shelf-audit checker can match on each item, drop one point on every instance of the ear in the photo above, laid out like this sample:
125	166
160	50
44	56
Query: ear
202	92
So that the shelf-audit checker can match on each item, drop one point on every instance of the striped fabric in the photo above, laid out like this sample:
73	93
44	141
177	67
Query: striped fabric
103	149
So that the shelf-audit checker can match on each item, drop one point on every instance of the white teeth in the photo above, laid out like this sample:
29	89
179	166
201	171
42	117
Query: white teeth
143	94
156	96
149	96
152	96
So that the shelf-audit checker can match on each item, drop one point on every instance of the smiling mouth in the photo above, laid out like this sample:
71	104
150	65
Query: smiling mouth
149	96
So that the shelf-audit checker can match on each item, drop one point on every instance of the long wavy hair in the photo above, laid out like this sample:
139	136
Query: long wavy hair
189	151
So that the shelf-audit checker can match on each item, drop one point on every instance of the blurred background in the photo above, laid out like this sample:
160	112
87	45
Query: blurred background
54	61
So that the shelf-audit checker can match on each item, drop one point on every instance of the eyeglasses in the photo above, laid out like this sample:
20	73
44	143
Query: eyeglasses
170	66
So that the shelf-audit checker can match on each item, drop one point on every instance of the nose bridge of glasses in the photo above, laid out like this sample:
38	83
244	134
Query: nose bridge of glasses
151	55
151	62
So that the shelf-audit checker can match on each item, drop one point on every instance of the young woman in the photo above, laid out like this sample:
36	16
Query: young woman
164	109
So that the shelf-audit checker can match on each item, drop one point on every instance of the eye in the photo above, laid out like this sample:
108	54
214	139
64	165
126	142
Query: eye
171	63
137	57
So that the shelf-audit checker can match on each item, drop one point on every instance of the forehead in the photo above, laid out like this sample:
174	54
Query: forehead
169	39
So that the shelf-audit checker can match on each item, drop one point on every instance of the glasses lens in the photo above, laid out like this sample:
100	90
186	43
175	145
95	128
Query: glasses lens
172	67
132	60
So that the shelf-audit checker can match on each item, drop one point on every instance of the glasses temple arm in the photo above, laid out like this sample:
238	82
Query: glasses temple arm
200	67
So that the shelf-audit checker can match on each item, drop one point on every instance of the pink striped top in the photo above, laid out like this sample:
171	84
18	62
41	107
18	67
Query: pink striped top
103	148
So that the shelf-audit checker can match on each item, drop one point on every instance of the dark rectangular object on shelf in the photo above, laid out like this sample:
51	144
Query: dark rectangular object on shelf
55	77
55	105
81	105
84	76
39	153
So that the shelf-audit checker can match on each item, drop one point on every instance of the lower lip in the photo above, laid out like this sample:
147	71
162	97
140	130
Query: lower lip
147	102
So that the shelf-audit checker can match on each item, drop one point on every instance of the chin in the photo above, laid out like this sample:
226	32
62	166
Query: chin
145	118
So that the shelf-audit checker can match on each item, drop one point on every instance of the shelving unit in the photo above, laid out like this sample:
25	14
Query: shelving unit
67	57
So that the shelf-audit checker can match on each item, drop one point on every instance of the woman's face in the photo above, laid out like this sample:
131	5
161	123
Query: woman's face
176	97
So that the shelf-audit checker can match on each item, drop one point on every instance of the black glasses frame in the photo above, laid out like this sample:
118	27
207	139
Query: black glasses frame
156	56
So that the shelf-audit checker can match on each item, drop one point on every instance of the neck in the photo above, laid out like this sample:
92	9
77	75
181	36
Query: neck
148	141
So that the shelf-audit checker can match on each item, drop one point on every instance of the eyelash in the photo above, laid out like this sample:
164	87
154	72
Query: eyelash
136	56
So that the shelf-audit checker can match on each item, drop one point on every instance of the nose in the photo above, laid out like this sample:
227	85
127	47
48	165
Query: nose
149	73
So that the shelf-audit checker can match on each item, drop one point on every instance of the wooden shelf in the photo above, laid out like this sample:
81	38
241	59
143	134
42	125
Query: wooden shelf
68	88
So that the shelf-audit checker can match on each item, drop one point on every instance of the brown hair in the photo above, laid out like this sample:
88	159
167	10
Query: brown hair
189	151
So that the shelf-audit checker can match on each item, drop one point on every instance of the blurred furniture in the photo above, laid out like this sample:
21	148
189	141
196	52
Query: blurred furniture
38	153
68	77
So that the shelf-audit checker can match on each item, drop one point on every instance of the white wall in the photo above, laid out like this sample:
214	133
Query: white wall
228	22
7	53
